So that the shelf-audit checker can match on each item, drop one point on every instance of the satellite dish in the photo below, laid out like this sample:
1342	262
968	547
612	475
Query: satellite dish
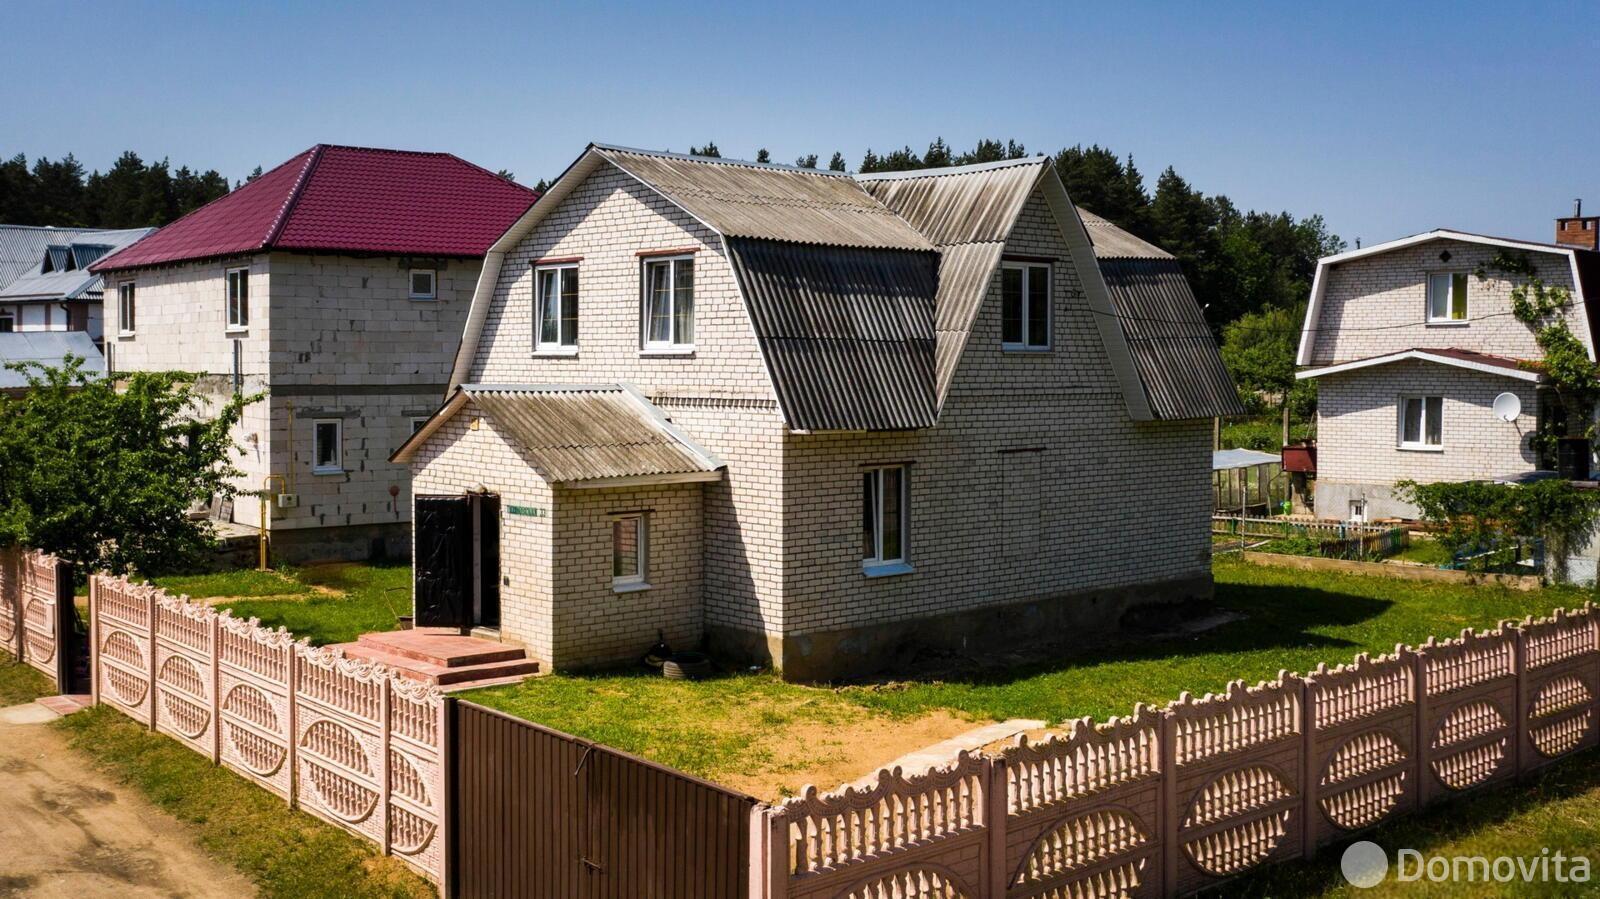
1507	406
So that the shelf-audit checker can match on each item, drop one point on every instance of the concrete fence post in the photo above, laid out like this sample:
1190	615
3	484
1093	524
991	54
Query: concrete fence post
995	794
778	857
385	767
214	633
1168	747
94	639
292	661
1308	769
1521	759
1419	732
155	651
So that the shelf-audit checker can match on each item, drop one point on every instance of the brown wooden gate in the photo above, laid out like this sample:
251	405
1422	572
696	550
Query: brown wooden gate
539	813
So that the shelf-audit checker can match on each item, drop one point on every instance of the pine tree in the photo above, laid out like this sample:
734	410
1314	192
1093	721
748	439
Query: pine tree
763	156
808	161
710	149
938	155
836	164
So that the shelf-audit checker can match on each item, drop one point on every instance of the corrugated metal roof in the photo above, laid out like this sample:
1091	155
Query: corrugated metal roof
1173	348
23	249
1111	242
346	199
962	204
847	333
746	199
46	347
588	433
1230	459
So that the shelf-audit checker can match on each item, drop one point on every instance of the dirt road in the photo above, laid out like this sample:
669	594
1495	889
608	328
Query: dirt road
68	831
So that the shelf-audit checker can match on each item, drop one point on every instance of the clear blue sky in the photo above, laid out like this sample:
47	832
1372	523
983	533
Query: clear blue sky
1387	118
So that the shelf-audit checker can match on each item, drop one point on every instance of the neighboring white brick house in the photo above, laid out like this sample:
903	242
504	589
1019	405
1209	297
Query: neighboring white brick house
1041	495
336	285
1410	347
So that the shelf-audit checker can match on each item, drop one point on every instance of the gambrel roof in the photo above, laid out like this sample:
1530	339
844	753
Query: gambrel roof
862	290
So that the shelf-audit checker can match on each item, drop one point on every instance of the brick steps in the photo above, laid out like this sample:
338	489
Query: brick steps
445	658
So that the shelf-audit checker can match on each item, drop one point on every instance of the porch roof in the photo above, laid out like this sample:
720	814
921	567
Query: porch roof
581	435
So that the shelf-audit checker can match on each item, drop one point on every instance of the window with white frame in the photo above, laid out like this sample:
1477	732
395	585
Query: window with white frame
1447	297
669	303
125	308
630	541
238	298
884	516
1421	422
327	445
556	312
1025	306
424	284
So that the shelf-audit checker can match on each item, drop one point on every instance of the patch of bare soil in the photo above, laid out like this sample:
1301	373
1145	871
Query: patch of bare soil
70	832
830	754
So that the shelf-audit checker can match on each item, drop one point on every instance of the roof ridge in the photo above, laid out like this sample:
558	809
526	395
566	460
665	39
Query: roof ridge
945	170
720	160
289	202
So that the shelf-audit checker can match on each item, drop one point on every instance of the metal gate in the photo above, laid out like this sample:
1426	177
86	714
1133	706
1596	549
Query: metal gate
538	813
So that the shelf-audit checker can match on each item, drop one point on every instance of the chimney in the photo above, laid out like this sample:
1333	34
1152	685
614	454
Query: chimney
1579	231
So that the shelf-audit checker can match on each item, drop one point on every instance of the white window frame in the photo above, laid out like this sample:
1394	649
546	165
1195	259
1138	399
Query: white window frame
1025	346
1422	444
673	346
1358	511
639	580
234	305
127	301
337	466
1466	307
433	284
875	565
560	347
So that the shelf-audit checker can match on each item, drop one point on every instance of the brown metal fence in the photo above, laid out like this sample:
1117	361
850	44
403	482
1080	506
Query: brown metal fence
540	813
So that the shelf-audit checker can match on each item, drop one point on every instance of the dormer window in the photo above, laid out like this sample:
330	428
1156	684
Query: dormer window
1447	298
1025	307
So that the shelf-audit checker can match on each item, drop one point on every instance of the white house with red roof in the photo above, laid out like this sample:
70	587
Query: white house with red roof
1423	373
337	283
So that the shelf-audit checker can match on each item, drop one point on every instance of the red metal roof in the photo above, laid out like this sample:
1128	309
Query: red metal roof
345	199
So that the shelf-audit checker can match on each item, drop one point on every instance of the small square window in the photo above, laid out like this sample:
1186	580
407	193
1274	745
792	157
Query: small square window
1447	297
125	308
1358	511
423	286
327	446
238	299
629	552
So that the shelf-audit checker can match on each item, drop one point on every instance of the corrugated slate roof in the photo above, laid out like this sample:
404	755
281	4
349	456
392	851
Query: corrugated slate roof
346	199
968	212
23	249
47	347
847	333
578	433
1111	242
1173	348
771	202
68	279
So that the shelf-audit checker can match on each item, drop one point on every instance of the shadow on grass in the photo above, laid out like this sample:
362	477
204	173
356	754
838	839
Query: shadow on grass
1491	822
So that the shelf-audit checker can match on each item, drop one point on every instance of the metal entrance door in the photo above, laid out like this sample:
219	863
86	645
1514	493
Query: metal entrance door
443	563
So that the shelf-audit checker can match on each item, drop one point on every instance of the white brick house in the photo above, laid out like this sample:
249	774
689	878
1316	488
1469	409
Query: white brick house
1411	342
813	420
337	285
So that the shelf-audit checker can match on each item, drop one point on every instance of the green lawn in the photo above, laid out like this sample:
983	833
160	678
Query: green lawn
20	683
1292	620
287	853
327	603
1559	810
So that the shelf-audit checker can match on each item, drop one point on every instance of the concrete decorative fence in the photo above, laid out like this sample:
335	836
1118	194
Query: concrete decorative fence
35	594
1167	802
350	742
